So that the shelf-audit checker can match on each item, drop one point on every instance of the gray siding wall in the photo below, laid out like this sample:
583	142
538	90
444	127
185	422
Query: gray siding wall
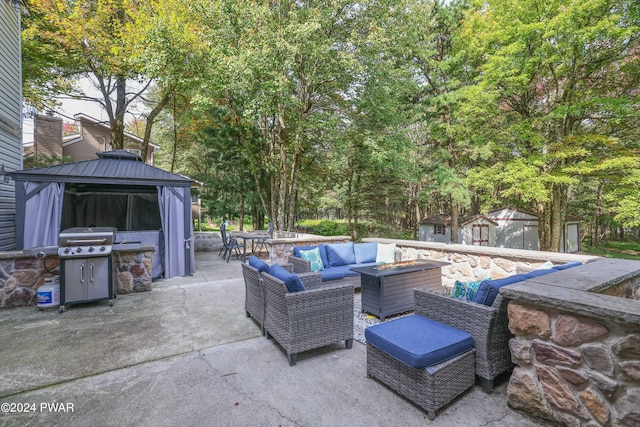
10	117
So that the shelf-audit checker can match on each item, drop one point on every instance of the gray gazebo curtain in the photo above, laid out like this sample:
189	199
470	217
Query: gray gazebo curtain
179	251
43	208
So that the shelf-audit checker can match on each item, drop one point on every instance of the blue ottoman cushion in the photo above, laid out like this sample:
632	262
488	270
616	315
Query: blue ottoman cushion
418	341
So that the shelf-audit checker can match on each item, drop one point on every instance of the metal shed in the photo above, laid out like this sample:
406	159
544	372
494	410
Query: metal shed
117	189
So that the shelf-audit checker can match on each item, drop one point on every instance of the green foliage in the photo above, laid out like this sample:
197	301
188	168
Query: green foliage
380	112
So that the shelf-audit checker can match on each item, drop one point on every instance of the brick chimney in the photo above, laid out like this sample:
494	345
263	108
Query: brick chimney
48	135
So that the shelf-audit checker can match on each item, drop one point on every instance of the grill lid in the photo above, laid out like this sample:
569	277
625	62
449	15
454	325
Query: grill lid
82	236
82	242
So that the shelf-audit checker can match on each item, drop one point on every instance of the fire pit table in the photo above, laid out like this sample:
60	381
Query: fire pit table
387	289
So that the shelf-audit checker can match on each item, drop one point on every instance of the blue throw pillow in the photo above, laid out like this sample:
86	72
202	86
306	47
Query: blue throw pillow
488	290
472	289
313	256
291	280
321	248
340	254
365	252
258	264
458	290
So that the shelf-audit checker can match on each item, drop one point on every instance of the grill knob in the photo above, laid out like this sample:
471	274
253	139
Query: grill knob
66	250
90	248
102	249
79	250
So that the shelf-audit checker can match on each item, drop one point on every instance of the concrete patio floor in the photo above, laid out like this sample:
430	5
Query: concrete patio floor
185	354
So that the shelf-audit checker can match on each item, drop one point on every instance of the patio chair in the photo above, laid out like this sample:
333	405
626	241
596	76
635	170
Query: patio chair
261	243
229	244
489	326
318	316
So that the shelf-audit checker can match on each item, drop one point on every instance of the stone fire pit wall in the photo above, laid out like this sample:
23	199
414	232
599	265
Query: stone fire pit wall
577	348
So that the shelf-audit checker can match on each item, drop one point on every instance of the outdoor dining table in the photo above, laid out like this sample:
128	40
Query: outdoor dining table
252	236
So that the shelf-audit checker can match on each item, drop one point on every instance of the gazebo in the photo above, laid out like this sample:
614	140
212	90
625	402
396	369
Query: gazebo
142	202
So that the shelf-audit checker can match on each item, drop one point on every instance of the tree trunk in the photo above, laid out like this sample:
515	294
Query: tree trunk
282	174
117	124
455	212
150	119
551	217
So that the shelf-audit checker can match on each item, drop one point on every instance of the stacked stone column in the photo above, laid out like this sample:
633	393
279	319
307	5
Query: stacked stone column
574	370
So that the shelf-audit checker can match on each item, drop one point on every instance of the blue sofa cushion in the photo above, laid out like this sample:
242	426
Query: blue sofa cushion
313	256
321	248
567	265
291	280
345	270
258	264
418	341
340	254
332	273
365	252
538	273
488	290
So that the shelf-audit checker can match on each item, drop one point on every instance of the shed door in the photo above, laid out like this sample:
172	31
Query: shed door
530	236
480	235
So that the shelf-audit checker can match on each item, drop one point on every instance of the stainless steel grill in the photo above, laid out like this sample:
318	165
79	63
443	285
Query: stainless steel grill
86	242
86	265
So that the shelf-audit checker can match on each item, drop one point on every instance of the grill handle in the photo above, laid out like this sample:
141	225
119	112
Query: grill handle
85	241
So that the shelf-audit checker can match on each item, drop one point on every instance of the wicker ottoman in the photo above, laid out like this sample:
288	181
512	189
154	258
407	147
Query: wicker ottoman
430	387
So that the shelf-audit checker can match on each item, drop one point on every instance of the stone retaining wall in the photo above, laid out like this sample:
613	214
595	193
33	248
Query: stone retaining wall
471	263
574	369
577	349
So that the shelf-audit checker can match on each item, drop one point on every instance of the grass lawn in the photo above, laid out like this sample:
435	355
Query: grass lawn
624	250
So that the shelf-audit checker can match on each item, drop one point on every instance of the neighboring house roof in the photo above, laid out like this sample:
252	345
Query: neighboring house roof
72	139
114	167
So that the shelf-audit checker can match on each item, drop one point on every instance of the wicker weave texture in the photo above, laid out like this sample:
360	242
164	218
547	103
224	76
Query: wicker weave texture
489	327
316	317
254	294
430	388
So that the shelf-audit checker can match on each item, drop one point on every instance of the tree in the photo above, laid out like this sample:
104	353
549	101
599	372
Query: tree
110	43
563	74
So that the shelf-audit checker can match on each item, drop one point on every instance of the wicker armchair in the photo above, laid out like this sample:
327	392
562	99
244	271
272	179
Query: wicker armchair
300	321
254	294
489	326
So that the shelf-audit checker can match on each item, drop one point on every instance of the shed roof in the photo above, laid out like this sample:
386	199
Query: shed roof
112	167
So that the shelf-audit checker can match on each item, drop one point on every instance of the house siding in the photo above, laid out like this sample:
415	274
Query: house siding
10	117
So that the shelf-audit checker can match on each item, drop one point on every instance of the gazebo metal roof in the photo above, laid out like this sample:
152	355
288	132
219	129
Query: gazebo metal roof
118	167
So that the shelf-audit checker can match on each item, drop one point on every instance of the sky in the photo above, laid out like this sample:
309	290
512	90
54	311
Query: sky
68	109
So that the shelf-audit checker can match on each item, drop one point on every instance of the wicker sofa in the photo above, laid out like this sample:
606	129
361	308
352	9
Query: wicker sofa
489	326
315	317
485	318
338	258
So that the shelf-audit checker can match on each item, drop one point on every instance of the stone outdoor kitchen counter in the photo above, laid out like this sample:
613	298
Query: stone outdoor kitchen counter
577	344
